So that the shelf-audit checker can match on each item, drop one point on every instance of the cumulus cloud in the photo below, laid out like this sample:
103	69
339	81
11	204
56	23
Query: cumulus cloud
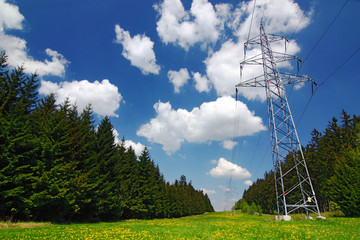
10	16
138	50
208	192
228	144
248	183
226	169
137	147
222	66
202	84
279	16
103	96
223	70
186	28
178	78
212	121
15	47
205	22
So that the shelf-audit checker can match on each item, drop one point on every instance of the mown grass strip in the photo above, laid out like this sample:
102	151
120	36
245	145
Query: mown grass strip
19	225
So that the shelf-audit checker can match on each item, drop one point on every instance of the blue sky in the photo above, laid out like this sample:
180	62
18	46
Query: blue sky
165	72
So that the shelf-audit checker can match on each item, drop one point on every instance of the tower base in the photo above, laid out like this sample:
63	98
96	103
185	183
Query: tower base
286	218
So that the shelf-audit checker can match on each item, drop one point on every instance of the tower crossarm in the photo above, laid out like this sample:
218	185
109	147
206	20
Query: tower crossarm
288	79
277	58
271	38
285	79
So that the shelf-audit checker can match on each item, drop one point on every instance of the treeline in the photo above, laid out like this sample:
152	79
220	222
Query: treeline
56	165
333	160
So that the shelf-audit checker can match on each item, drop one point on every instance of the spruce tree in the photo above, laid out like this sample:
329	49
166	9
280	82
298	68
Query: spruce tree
18	96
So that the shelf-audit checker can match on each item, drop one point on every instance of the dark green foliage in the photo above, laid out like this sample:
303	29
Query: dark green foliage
333	160
262	193
54	166
246	208
17	146
345	181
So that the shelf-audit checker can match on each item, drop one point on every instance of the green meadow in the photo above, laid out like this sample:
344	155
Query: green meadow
220	225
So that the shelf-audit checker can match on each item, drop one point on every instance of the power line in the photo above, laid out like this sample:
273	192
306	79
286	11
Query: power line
302	17
340	66
326	79
311	51
326	30
235	121
252	15
262	160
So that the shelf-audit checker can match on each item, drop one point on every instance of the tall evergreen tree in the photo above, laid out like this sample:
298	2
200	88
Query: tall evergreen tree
345	182
57	169
130	184
103	172
17	98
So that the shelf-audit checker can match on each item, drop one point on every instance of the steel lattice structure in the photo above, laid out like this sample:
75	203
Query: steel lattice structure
293	185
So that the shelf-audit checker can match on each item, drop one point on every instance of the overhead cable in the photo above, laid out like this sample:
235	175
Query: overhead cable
326	30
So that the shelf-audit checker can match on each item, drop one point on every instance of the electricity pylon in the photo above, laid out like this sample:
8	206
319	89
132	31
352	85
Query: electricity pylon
293	186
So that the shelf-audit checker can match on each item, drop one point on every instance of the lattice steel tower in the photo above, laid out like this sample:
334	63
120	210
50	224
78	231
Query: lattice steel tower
293	185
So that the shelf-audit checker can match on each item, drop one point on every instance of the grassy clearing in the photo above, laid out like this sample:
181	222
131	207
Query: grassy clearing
208	226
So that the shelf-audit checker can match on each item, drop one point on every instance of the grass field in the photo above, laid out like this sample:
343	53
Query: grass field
208	226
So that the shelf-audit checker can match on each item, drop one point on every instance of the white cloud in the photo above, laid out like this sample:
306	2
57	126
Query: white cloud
223	12
178	78
204	23
211	121
116	136
10	16
228	144
137	147
16	50
103	96
202	84
223	70
186	28
248	183
138	50
279	16
226	169
208	192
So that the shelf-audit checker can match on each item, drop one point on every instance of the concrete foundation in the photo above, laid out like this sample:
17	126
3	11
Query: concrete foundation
286	218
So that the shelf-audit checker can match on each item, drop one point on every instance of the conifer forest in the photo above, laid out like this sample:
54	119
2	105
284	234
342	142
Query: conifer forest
333	160
57	165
